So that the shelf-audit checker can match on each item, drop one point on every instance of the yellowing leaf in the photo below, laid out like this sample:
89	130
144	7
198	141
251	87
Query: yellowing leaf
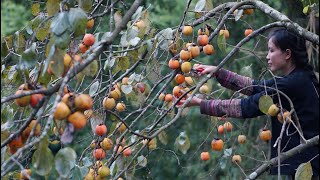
163	137
222	43
53	7
182	142
35	9
86	5
306	10
265	102
304	172
124	63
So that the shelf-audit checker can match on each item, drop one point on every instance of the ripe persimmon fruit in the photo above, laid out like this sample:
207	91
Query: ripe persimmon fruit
78	119
127	152
176	91
228	126
161	96
203	40
205	156
203	31
194	50
88	39
108	103
34	99
115	93
106	144
217	144
90	24
120	107
22	101
83	102
101	129
99	154
208	49
187	30
265	135
185	55
247	32
62	111
236	159
168	98
83	48
248	11
224	32
179	78
285	115
220	129
273	110
174	64
242	139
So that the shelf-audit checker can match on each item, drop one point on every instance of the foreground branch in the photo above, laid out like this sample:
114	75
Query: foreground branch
283	156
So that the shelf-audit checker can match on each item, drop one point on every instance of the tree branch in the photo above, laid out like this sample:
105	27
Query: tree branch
283	156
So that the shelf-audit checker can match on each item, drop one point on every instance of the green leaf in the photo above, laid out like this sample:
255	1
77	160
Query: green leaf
79	172
113	168
134	41
12	73
246	71
50	49
222	43
78	20
28	59
126	89
123	40
57	58
182	142
200	5
137	14
227	152
132	33
142	161
19	42
163	137
42	159
64	161
265	102
60	24
209	5
62	41
53	7
239	14
304	171
164	38
42	33
94	88
123	63
35	9
86	5
92	69
223	163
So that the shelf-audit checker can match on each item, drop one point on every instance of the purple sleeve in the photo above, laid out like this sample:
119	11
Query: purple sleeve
219	108
234	81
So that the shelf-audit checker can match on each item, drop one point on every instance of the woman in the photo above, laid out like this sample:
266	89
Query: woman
286	55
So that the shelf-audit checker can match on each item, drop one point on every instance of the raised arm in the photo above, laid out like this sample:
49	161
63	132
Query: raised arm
227	78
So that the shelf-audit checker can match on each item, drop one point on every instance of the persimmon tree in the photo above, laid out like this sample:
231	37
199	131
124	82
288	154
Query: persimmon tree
90	88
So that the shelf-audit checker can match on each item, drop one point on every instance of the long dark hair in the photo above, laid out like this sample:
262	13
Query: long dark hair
284	39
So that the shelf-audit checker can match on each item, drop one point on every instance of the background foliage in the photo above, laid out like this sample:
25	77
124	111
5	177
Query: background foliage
165	162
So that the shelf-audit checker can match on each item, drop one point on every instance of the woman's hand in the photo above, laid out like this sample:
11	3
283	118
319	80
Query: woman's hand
203	69
195	101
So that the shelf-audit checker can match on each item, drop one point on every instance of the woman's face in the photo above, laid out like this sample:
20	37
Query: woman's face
277	59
